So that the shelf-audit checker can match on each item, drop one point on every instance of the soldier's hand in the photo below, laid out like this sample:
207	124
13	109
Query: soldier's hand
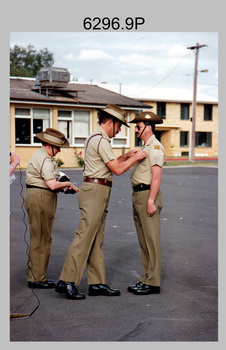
151	209
140	154
132	152
73	187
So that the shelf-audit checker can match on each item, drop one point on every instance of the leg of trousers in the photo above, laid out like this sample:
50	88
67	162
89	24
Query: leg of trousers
148	232
41	207
87	245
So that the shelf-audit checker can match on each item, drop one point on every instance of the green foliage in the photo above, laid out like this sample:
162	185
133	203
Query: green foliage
59	162
26	62
79	158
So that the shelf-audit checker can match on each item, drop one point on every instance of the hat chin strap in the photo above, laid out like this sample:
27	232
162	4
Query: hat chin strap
142	131
114	122
139	138
113	128
53	155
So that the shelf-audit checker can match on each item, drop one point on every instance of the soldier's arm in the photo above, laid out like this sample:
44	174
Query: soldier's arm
119	166
155	185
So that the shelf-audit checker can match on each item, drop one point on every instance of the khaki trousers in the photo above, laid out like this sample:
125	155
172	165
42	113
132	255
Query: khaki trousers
41	207
87	245
148	232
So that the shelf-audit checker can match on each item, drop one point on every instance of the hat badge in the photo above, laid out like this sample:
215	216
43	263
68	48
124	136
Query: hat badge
147	116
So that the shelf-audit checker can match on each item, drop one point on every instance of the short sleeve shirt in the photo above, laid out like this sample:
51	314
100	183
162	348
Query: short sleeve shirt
41	167
98	153
141	172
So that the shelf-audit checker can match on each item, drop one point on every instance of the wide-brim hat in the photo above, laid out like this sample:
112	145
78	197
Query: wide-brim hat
53	137
147	116
117	113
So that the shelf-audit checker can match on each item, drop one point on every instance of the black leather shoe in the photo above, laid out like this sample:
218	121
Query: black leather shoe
47	284
69	290
132	288
102	289
145	289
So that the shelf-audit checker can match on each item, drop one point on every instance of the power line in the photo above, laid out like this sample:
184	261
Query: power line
163	78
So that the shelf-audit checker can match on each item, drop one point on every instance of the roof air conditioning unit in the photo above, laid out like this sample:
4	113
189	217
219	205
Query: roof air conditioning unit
52	77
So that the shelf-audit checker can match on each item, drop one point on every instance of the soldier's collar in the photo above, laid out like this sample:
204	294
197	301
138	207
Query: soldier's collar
103	132
150	140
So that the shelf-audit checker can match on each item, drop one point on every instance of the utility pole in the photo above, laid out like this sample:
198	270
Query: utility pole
192	136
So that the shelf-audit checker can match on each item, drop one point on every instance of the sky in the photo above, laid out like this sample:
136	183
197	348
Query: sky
136	64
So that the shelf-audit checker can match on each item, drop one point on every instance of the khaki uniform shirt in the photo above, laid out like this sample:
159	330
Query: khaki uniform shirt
41	167
141	172
98	152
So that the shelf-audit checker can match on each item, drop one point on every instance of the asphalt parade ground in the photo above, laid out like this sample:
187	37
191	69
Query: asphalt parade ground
186	310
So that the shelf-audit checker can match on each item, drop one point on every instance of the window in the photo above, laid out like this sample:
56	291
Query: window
203	139
184	111
185	153
65	124
121	139
75	125
208	110
138	142
29	122
184	139
158	135
81	127
23	131
22	112
23	125
161	109
40	122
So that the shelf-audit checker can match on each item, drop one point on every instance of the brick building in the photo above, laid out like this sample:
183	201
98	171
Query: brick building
175	131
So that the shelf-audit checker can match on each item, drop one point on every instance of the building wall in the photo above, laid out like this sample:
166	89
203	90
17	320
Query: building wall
67	155
171	138
170	133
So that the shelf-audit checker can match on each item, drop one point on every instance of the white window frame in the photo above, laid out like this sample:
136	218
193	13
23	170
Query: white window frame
73	129
119	136
32	135
66	119
72	120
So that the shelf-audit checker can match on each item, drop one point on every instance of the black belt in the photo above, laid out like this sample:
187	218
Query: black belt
98	181
141	187
41	188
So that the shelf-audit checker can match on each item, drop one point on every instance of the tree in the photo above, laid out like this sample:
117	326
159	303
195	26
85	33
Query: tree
26	62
